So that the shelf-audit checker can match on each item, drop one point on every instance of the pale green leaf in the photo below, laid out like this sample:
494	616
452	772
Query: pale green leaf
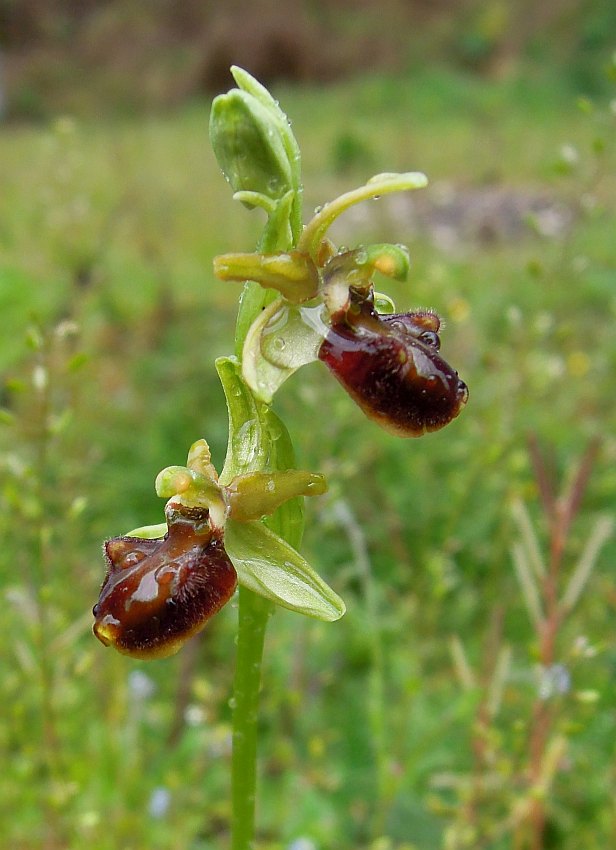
270	567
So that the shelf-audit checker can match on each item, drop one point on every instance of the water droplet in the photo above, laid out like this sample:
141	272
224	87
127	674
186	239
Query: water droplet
130	559
275	431
318	209
270	486
245	443
279	343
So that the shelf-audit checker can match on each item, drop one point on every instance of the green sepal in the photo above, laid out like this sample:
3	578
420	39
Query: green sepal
272	568
257	494
246	82
248	447
279	120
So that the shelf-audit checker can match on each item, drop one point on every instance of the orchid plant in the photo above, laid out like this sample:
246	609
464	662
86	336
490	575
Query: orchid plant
303	300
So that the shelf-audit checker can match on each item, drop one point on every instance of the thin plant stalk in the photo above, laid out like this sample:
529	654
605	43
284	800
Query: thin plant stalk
253	615
42	557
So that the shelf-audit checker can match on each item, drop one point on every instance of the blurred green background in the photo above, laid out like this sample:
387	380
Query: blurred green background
414	721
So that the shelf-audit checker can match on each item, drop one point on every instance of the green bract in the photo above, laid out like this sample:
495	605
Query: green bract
268	566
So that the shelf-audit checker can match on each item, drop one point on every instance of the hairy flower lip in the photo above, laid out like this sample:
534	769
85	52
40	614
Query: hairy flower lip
391	367
159	593
161	590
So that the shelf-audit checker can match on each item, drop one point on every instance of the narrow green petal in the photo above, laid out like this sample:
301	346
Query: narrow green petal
380	184
256	494
292	274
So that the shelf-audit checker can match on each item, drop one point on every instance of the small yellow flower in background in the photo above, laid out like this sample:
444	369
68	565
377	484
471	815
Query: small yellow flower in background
578	364
459	309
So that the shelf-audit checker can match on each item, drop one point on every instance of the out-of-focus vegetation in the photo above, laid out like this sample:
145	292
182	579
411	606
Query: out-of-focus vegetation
128	55
436	713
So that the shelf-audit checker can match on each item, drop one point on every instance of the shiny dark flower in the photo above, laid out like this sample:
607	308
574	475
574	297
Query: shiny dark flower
390	365
158	593
161	590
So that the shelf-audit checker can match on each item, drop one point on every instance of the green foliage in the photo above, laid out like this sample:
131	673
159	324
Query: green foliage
107	236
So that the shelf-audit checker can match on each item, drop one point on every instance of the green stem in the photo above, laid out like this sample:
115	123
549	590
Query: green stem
253	615
253	610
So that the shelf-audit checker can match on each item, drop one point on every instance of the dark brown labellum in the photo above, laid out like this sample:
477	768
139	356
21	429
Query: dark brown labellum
159	593
391	367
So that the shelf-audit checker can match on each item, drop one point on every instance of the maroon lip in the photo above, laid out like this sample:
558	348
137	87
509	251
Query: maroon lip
391	366
158	593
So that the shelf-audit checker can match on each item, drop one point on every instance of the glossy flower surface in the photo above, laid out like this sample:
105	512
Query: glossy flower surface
164	582
390	365
159	593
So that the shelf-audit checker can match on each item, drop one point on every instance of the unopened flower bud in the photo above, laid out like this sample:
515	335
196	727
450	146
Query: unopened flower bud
249	150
